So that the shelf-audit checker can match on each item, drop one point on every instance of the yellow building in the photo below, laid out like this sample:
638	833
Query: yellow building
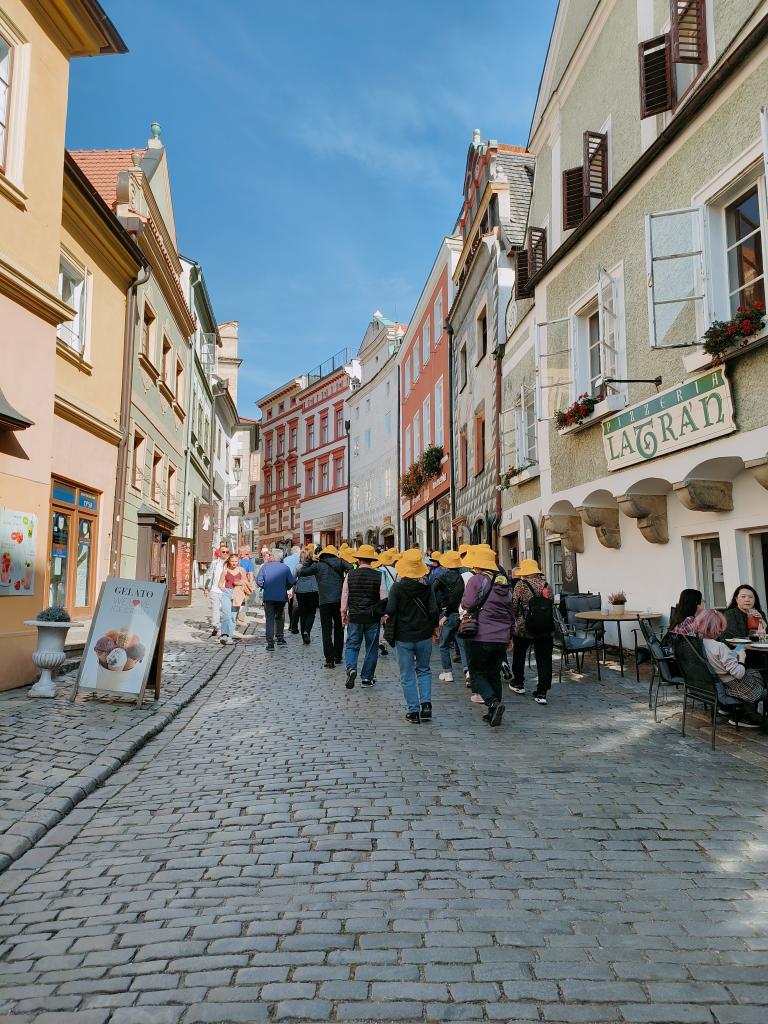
37	41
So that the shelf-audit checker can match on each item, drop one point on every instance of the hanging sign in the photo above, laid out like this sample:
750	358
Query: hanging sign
18	536
124	650
698	410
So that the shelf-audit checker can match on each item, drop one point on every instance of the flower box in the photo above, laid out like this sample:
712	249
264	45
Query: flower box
608	406
699	359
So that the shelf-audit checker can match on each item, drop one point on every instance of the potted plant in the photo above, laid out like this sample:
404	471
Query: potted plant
430	461
617	602
577	412
52	626
725	335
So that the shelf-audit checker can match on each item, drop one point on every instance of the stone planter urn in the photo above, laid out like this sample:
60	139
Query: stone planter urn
51	637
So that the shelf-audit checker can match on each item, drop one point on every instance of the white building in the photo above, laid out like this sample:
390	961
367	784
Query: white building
373	412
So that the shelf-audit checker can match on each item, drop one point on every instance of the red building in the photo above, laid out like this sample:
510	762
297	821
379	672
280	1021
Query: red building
281	483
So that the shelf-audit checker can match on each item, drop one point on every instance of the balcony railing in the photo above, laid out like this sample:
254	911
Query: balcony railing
331	365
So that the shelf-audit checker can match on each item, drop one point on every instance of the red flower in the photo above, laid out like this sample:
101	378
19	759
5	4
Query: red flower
745	326
740	309
732	329
759	305
583	410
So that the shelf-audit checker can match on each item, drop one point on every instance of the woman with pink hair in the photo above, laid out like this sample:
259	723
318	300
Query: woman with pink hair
728	665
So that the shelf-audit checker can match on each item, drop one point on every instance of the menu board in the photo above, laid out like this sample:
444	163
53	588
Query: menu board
125	640
181	592
18	539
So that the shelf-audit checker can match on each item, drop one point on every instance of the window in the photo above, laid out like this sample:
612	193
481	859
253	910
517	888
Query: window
324	429
72	551
281	442
356	445
479	443
426	421
415	359
537	249
709	568
71	290
407	384
439	440
463	458
671	63
268	483
368	498
165	364
438	319
170	495
294	475
744	248
281	480
155	484
355	497
268	448
518	431
339	472
426	342
388	423
368	440
294	438
339	422
481	336
178	384
388	482
311	434
586	185
463	366
324	486
555	551
758	550
675	269
218	442
5	93
310	481
408	460
139	454
416	436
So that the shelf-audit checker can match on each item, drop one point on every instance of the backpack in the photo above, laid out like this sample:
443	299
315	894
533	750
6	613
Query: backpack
539	615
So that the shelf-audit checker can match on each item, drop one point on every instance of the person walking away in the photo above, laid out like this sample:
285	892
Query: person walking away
293	561
488	598
385	565
276	579
246	563
329	570
449	591
211	586
305	595
232	580
363	600
412	606
533	610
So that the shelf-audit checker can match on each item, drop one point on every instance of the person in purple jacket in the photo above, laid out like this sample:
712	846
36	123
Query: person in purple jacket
487	595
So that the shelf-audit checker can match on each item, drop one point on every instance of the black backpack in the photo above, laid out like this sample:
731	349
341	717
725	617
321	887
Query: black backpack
539	615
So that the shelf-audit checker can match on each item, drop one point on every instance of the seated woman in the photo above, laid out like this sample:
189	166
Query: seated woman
744	615
743	683
688	606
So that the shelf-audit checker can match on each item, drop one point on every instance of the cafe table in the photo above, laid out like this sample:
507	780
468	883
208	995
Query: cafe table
618	618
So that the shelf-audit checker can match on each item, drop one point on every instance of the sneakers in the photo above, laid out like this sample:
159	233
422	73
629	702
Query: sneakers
447	677
270	645
215	631
329	664
516	689
494	715
367	682
540	698
506	671
227	641
413	717
744	723
351	676
426	711
383	651
467	680
305	637
282	643
477	699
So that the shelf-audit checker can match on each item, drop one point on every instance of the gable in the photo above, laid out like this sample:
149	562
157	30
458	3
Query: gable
155	167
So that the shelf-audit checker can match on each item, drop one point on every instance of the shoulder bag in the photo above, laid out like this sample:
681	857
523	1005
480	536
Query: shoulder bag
468	625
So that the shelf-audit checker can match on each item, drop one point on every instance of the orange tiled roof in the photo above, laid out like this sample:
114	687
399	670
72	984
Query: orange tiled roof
512	149
102	166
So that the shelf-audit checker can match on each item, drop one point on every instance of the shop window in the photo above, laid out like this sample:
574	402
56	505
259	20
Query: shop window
71	562
155	480
72	291
709	571
138	457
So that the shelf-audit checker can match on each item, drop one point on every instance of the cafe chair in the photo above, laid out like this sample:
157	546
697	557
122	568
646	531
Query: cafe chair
573	603
664	671
701	683
570	640
649	635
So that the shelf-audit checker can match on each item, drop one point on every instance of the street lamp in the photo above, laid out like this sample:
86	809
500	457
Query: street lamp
237	473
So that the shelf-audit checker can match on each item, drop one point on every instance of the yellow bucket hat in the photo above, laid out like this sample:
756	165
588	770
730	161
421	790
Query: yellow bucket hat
479	558
463	549
411	565
451	560
329	549
435	556
528	567
366	551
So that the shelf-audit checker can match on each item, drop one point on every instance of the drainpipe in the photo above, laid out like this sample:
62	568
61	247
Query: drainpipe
126	390
399	456
497	446
347	427
449	331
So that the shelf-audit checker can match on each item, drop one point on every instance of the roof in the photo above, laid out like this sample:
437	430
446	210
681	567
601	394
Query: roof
77	175
102	166
517	165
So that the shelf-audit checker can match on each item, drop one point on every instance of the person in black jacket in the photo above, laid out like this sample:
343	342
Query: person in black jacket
449	590
412	605
329	570
363	599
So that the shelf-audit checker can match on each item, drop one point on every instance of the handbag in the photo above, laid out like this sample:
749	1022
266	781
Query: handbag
468	625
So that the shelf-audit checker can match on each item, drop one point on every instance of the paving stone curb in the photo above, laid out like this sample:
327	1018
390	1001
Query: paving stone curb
25	833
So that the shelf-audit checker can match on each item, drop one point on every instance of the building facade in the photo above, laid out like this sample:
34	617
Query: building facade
424	366
647	227
280	499
37	42
324	443
373	412
497	188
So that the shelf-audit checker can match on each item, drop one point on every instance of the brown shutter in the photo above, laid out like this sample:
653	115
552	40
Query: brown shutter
595	168
689	31
573	197
522	291
537	249
657	76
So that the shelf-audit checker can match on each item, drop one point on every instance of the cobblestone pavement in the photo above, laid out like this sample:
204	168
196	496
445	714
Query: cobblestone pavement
287	849
53	751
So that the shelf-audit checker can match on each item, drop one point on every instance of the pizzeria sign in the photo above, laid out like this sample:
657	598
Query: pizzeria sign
699	410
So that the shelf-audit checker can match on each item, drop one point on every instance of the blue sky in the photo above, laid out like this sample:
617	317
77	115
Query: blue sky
316	155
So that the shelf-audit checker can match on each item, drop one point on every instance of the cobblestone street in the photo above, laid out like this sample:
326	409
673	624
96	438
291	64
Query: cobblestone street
286	849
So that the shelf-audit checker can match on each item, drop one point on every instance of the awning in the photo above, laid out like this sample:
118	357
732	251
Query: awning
10	419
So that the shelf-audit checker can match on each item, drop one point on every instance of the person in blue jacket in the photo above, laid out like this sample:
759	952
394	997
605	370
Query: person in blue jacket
276	580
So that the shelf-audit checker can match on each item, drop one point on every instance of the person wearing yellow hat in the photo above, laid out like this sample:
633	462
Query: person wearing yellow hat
488	603
533	609
363	600
329	570
385	564
412	616
449	590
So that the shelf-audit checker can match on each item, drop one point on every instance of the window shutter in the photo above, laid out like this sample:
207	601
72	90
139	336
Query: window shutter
657	79
595	168
537	249
689	31
554	367
607	323
522	291
573	197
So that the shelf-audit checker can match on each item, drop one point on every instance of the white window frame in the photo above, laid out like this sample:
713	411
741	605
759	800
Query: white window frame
565	376
408	461
515	431
439	413
12	172
426	421
426	341
407	376
606	299
705	584
652	262
77	327
438	318
415	359
416	434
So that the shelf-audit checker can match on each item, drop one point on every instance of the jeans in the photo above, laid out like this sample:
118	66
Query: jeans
542	649
307	609
227	617
485	668
449	635
415	674
215	596
275	613
357	633
333	631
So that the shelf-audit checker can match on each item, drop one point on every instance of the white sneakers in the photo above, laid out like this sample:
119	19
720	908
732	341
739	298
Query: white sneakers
477	699
447	677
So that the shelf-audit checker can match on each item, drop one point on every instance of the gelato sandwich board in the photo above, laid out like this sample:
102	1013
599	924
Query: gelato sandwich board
124	650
